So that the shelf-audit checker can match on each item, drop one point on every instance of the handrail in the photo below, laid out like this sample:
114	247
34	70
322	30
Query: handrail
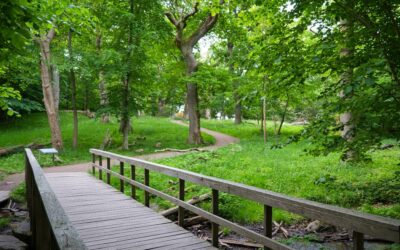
50	226
361	223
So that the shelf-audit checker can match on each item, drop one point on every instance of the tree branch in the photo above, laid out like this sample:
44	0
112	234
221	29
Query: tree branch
195	10
50	35
205	27
172	19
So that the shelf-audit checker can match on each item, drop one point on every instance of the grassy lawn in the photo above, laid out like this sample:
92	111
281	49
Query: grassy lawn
147	132
370	187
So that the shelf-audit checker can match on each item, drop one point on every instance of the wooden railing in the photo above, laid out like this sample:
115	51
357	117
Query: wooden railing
50	226
360	223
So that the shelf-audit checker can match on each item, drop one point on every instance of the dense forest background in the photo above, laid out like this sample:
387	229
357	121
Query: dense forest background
331	64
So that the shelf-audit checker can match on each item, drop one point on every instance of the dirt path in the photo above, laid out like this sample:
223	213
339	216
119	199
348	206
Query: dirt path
221	140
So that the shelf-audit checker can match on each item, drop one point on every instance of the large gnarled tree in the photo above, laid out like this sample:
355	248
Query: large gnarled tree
185	44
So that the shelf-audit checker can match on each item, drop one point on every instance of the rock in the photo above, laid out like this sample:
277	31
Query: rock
140	150
8	242
386	146
313	226
22	230
21	213
4	197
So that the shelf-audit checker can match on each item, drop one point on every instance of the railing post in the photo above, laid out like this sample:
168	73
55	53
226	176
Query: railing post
181	210
133	177
93	167
214	226
109	168
267	223
358	241
147	183
121	172
100	170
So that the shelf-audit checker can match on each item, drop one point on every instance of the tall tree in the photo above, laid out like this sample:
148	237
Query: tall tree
44	41
72	82
185	44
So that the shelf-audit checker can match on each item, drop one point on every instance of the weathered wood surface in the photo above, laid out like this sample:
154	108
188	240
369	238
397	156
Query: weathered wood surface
107	219
51	227
377	226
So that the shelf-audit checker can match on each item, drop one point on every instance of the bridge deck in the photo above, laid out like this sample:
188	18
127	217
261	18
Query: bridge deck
108	219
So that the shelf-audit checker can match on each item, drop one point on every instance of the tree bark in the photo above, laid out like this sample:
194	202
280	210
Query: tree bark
283	116
125	126
48	94
185	45
56	86
236	96
72	81
192	98
264	119
105	117
347	118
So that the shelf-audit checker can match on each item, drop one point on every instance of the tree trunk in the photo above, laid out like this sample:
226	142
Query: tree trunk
207	114
72	81
186	44
236	96
105	117
264	119
283	116
48	96
192	99
125	127
347	118
56	86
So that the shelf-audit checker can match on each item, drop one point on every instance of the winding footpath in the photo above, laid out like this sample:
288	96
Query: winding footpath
221	140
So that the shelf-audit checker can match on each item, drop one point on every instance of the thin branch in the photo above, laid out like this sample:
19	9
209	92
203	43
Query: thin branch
171	19
195	10
206	26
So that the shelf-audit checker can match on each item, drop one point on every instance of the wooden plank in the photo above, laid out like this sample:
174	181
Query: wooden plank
267	223
99	230
146	242
127	230
157	232
377	226
212	217
109	219
214	226
181	210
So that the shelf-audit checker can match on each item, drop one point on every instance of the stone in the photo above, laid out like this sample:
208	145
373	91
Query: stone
8	242
22	230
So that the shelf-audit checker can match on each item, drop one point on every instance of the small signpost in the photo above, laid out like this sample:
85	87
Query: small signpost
51	151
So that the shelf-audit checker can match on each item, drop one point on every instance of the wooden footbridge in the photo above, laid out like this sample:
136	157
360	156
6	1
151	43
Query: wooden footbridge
78	211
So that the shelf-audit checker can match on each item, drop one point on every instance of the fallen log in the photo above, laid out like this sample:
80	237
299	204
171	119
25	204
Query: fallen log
180	150
192	201
20	148
238	243
194	221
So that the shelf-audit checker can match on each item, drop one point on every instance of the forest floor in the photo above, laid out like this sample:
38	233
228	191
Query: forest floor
149	134
370	186
221	140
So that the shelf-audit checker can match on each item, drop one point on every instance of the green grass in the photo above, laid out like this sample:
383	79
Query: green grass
18	194
4	222
34	128
371	187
